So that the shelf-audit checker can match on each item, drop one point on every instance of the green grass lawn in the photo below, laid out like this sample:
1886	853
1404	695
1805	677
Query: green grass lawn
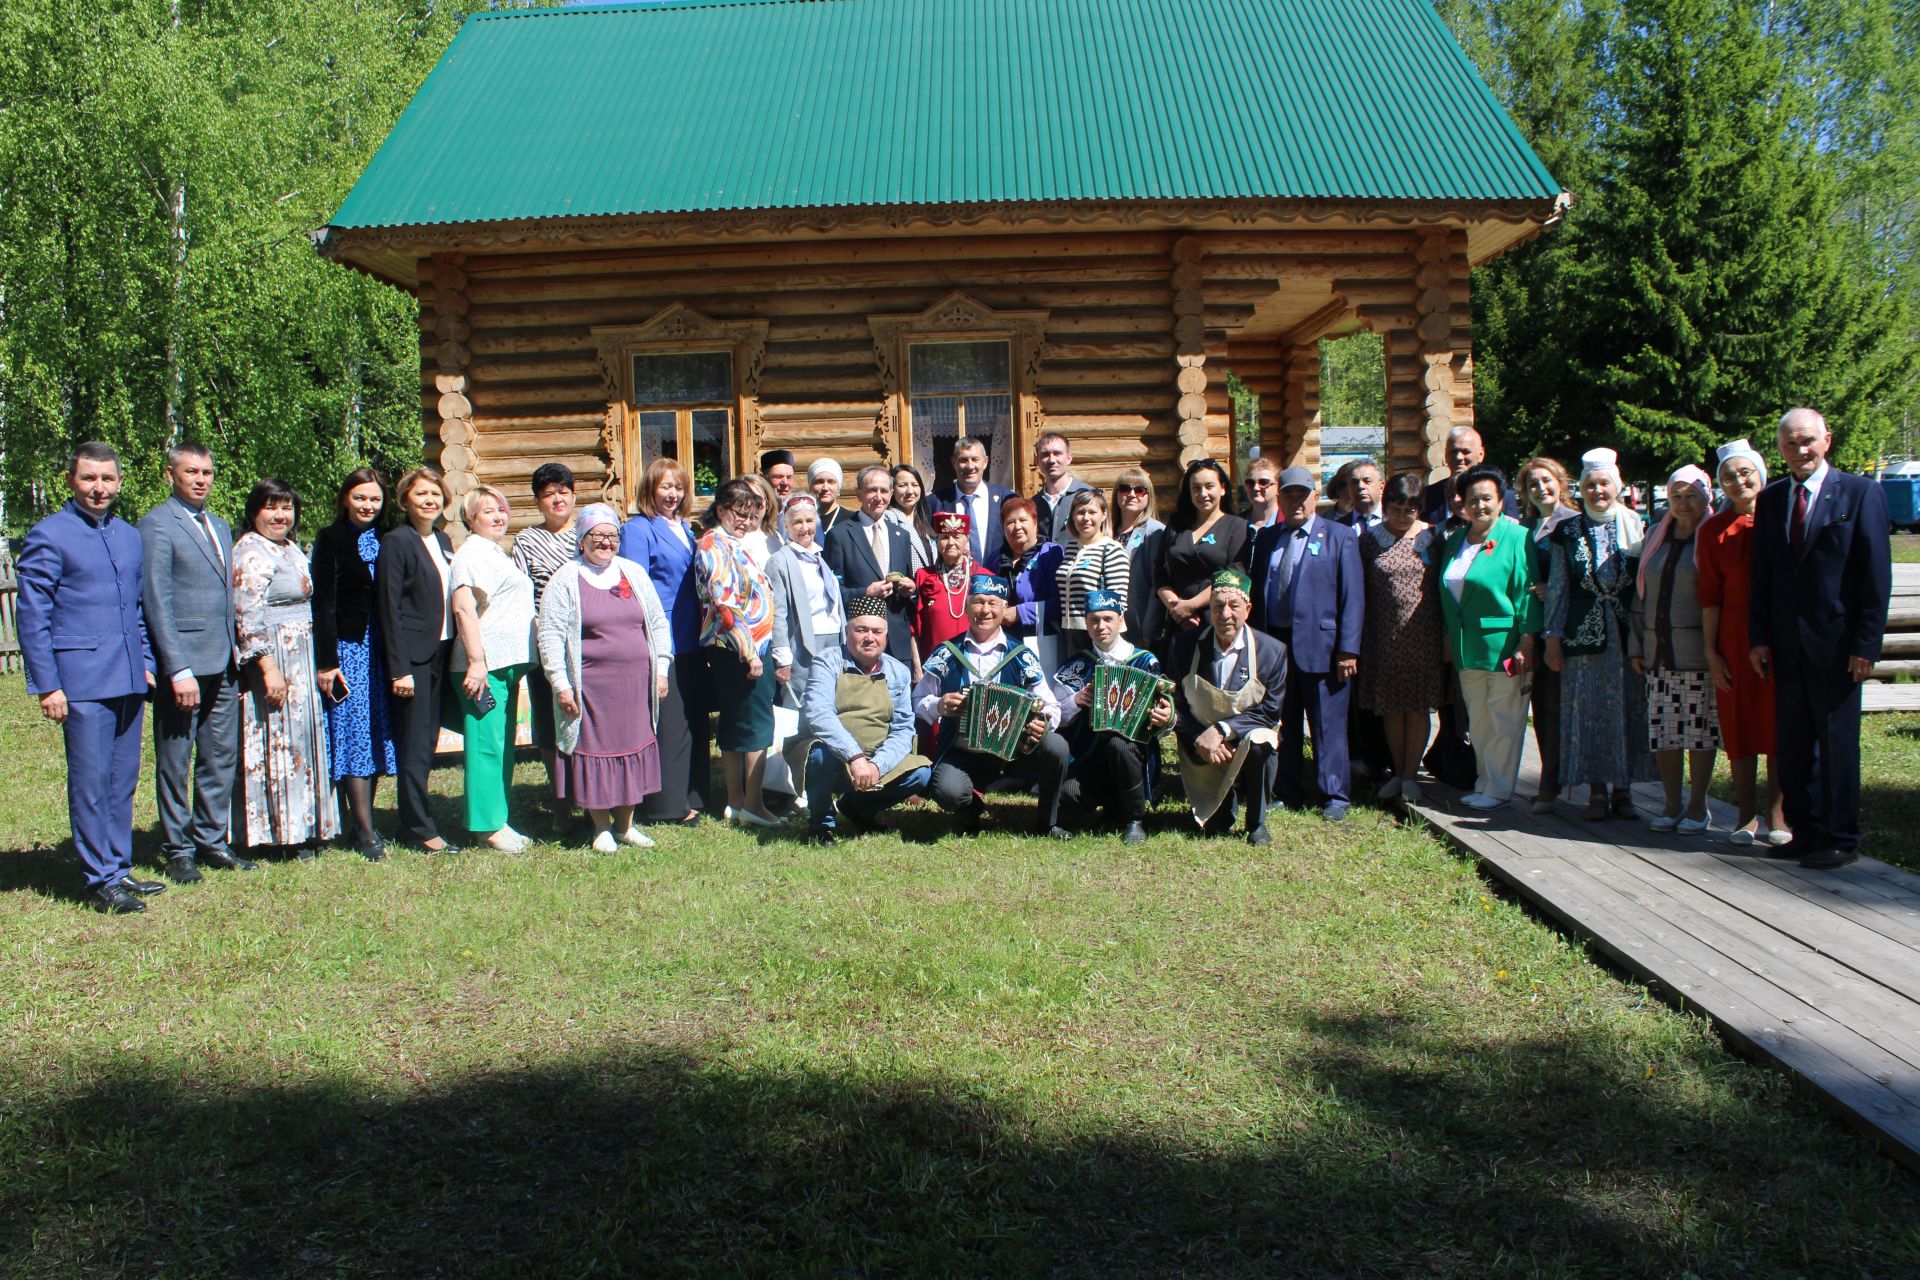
986	1057
1906	548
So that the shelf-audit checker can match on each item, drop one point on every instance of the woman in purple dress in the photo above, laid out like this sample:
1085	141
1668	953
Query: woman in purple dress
602	636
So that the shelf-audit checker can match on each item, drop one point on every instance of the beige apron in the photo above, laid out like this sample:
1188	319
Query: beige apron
865	707
1209	784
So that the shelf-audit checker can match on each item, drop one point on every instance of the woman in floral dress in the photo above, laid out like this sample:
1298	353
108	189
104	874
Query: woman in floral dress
1402	678
289	797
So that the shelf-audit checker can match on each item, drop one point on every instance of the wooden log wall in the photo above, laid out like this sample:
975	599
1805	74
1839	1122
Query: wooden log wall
1133	367
1426	322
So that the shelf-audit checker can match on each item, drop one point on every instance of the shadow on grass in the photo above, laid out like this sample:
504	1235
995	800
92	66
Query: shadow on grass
1435	1158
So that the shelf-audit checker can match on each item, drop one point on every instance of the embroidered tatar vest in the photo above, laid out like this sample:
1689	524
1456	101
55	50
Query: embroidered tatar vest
1593	604
1020	669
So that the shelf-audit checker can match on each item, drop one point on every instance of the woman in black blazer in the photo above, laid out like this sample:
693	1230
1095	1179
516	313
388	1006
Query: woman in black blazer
416	633
349	656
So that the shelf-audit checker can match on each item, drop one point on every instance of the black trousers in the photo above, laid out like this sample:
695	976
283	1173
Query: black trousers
685	742
1817	749
956	776
1546	726
1110	773
1253	789
416	731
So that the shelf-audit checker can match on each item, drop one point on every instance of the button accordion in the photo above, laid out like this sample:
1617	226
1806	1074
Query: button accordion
1123	699
994	717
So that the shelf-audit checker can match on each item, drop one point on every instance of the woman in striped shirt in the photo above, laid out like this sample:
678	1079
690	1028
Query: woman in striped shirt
736	632
539	550
1095	562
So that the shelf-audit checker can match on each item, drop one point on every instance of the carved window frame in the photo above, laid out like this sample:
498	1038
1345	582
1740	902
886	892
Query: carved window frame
959	318
679	329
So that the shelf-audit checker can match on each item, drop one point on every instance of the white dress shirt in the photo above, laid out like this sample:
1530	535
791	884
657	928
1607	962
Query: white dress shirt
878	545
981	659
1812	485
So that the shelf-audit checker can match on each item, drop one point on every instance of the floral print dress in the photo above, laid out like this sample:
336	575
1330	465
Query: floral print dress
289	798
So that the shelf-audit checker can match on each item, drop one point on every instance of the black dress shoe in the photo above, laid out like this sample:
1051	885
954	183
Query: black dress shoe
145	888
115	900
968	823
1260	836
374	850
1136	833
1829	858
181	869
1057	833
223	860
1800	848
822	835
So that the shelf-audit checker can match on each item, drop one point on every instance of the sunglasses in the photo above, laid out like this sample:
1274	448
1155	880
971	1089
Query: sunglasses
1133	491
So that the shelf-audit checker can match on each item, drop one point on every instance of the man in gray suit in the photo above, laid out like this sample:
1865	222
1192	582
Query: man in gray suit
188	595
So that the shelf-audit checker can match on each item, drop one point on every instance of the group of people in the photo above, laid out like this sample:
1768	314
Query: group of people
942	641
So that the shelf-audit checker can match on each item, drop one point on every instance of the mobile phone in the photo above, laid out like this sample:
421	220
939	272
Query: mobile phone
340	692
485	703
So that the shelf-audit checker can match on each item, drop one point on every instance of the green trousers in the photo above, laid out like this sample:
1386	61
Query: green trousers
487	742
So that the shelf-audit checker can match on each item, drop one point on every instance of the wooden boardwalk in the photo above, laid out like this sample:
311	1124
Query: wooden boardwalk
1817	972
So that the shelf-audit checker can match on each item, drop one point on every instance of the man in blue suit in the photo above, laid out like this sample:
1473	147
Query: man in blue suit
84	639
1822	573
973	497
188	596
1308	595
871	556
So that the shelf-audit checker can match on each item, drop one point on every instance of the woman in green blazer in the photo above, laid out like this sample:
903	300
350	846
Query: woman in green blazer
1488	617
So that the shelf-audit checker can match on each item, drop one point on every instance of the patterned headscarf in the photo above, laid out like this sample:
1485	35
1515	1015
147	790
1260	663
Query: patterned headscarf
1687	475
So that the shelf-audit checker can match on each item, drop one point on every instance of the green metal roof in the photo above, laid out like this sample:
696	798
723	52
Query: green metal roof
697	105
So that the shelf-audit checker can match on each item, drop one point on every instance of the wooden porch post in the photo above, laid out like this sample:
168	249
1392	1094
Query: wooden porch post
1426	323
444	300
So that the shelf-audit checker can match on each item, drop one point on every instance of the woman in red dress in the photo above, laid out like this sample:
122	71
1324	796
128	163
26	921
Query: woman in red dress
940	589
1724	554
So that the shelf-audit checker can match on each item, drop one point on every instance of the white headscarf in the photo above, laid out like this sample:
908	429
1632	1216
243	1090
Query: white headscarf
1739	449
825	467
1628	527
1687	475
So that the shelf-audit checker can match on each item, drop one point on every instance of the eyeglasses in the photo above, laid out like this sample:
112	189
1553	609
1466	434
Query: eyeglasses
1259	484
1132	490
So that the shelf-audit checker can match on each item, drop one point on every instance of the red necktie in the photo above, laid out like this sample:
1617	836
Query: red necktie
1797	531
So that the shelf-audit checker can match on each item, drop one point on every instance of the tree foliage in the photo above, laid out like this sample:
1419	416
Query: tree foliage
1742	238
160	167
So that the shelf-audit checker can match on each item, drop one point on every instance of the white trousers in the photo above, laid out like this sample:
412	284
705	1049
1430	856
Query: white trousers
1497	719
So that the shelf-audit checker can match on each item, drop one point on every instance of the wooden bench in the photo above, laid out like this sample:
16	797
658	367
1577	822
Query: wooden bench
9	599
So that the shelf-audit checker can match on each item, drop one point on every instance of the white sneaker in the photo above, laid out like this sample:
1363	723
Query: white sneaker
1389	789
636	837
605	843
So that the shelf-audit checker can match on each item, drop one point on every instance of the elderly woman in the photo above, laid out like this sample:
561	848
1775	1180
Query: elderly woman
1669	648
1401	676
1723	552
1095	562
1589	596
346	648
1031	566
1549	497
736	634
1203	538
416	629
1136	528
808	613
825	479
940	589
661	540
1489	615
603	639
910	512
288	787
492	603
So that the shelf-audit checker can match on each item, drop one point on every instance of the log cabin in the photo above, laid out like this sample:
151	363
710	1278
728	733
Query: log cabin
865	229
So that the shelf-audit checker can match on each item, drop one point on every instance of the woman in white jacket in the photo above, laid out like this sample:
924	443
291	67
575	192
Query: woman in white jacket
603	638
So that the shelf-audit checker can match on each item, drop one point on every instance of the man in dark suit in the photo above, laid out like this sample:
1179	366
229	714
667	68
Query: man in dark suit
1822	573
1465	451
1308	594
83	638
973	497
188	591
1229	687
872	556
